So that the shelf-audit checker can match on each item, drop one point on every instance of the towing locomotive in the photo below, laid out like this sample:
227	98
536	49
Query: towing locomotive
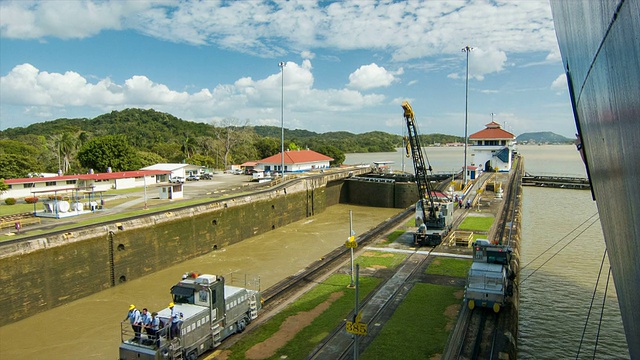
209	310
490	281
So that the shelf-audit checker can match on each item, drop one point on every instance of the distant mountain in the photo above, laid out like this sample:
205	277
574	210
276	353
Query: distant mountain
542	137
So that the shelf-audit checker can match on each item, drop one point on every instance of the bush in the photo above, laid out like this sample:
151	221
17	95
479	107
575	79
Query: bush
57	197
31	200
10	201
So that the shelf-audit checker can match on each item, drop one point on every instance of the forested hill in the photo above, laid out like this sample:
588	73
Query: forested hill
133	138
542	137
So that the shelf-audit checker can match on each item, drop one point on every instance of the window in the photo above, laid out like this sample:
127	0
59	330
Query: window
29	185
51	183
71	182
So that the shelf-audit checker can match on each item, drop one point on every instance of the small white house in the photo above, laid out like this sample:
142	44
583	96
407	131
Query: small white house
294	161
492	148
177	170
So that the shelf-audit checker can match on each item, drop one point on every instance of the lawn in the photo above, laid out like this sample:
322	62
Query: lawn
379	259
420	326
333	291
450	267
476	223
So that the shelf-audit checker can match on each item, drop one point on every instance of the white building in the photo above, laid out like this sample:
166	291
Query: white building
177	170
294	161
492	148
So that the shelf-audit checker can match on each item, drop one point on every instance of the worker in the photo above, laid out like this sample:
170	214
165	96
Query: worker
145	319
136	322
174	331
154	328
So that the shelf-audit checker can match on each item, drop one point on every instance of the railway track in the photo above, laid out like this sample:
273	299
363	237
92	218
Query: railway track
376	308
281	290
480	336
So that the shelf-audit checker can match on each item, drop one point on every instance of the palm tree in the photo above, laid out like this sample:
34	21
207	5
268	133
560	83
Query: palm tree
189	147
68	146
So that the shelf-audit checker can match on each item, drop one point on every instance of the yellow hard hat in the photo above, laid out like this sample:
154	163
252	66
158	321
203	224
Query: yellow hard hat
170	304
131	307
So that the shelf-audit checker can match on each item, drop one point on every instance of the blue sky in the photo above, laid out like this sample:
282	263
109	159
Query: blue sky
349	64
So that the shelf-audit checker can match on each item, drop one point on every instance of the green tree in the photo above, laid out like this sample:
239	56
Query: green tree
68	147
202	160
147	158
189	146
3	186
332	152
266	146
14	166
111	151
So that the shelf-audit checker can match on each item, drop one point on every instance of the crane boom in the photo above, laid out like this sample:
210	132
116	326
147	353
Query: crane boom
419	166
436	216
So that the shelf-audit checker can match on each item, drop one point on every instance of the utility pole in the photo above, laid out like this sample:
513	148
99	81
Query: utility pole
282	64
467	49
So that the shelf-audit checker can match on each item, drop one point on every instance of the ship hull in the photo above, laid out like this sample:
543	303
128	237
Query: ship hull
601	52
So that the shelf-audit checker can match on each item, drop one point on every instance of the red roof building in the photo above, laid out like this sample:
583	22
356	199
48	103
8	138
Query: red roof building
492	135
295	161
492	148
26	187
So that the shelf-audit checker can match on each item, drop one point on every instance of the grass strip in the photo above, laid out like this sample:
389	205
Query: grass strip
308	337
375	259
477	223
424	319
450	267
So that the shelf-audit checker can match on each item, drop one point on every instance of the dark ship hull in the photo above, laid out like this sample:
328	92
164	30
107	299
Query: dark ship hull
600	46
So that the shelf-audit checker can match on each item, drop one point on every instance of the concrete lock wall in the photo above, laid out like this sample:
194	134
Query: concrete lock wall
48	272
381	194
40	274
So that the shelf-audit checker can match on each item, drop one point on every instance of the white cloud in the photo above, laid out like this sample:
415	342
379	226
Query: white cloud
247	98
372	76
64	19
560	85
407	30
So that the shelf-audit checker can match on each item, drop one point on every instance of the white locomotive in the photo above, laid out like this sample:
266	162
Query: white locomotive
490	278
210	312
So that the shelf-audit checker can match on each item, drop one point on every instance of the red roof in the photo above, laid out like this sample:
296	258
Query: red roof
492	131
296	157
249	163
99	176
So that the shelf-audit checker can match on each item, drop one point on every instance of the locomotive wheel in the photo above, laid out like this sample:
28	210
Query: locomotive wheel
241	325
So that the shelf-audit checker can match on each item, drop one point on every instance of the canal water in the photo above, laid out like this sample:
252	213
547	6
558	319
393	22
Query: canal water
89	328
561	252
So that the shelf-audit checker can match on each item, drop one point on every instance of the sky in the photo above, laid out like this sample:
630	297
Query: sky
348	64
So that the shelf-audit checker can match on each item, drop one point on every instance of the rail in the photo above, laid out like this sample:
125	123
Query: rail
376	306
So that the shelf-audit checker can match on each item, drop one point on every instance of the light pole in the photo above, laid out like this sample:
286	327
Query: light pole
467	49
282	65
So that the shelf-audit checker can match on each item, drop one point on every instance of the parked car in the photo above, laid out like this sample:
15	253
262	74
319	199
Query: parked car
193	177
237	172
176	180
206	176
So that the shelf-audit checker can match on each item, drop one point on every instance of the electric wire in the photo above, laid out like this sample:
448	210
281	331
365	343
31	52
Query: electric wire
556	253
593	296
556	243
604	299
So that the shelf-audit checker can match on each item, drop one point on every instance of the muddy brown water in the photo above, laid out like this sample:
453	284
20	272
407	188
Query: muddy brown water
89	328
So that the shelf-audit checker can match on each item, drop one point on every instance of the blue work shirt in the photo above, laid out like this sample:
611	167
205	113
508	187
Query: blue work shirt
134	316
